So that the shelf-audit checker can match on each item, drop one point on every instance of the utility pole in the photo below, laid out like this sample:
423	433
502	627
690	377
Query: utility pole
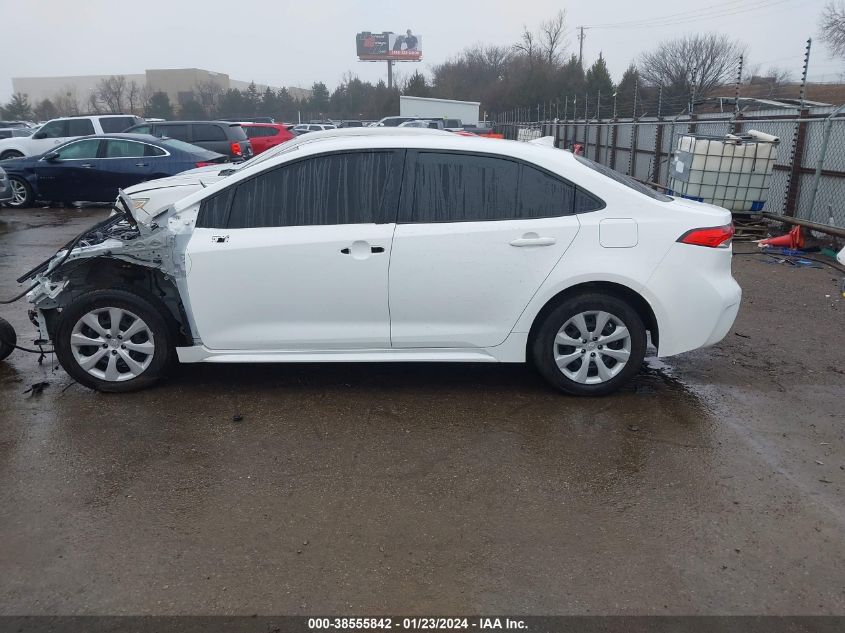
581	46
390	74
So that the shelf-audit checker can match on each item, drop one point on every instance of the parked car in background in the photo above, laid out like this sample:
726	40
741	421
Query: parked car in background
224	137
93	168
10	132
304	128
253	119
493	252
423	123
58	131
5	187
23	124
351	123
263	136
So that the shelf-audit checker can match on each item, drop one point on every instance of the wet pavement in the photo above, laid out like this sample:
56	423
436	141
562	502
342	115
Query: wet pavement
713	484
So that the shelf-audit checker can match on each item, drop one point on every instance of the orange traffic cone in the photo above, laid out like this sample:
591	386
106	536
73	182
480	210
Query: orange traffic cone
794	240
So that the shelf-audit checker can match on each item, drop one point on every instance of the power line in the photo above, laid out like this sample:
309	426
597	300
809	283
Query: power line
688	17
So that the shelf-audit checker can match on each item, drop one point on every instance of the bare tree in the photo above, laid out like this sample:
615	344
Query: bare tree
135	97
66	101
691	65
111	93
208	93
547	44
832	27
552	42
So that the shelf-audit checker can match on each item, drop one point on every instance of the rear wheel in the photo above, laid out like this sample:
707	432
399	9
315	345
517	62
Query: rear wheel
21	193
8	339
590	345
114	340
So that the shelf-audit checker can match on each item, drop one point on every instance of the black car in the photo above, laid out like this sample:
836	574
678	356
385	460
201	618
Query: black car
93	168
223	137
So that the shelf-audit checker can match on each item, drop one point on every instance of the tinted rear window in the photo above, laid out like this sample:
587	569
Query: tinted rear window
79	127
182	146
237	133
208	132
623	179
173	131
113	125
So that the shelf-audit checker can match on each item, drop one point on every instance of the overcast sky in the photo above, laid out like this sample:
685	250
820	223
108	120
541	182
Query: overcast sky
296	43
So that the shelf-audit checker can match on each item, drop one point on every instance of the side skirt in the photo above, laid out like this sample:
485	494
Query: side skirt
511	351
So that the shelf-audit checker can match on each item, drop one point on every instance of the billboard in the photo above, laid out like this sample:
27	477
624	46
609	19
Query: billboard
405	46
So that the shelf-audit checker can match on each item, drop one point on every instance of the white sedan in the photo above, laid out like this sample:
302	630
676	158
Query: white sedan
391	245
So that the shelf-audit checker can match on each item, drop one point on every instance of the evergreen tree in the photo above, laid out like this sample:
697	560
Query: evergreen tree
159	106
46	110
18	108
625	93
598	83
320	99
416	86
192	110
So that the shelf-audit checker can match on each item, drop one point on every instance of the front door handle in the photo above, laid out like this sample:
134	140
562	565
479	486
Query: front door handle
532	239
87	165
142	164
361	249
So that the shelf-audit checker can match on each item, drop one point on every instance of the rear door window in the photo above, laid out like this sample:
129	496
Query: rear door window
120	148
463	188
179	132
80	127
205	132
116	124
142	129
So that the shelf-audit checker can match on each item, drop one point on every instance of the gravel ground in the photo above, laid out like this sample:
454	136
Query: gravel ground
713	484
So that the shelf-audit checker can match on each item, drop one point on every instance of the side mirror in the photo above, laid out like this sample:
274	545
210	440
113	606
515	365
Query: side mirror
38	135
51	156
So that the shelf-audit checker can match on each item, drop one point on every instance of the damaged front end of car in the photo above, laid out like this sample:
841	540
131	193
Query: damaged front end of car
118	252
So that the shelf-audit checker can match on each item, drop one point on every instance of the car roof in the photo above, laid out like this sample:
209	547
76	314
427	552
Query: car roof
229	123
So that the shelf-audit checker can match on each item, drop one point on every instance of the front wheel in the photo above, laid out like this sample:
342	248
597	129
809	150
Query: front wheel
21	193
590	345
114	341
10	154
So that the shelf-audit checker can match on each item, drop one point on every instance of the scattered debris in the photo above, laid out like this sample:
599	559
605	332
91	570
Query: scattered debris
37	389
741	335
632	427
237	417
825	481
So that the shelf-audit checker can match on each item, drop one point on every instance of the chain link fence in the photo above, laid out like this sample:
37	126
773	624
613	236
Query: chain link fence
808	181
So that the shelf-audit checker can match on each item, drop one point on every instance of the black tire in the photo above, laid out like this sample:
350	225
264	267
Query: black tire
543	347
28	199
10	154
145	307
8	339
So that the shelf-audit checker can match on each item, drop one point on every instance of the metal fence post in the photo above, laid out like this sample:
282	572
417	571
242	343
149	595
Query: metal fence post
793	182
828	126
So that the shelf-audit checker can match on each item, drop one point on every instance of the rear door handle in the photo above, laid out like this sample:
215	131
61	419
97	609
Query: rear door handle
533	240
142	164
373	249
87	165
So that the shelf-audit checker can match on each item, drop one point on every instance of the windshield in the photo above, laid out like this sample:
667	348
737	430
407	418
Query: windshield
636	185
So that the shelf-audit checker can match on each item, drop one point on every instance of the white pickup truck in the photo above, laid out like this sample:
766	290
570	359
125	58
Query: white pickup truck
58	131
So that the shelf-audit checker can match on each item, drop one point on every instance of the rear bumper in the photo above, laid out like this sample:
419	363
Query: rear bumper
694	297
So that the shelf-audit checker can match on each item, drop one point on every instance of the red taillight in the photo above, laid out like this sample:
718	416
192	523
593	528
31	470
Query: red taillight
236	149
204	164
712	237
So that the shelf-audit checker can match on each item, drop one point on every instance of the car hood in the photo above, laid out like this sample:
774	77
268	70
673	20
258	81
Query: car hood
153	198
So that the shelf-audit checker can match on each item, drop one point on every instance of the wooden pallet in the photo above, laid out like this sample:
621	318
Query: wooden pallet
749	227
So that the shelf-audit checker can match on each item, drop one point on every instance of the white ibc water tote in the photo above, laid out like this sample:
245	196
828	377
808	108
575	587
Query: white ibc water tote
732	171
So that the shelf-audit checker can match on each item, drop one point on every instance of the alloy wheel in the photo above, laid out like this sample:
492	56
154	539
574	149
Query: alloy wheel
112	344
592	347
18	193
